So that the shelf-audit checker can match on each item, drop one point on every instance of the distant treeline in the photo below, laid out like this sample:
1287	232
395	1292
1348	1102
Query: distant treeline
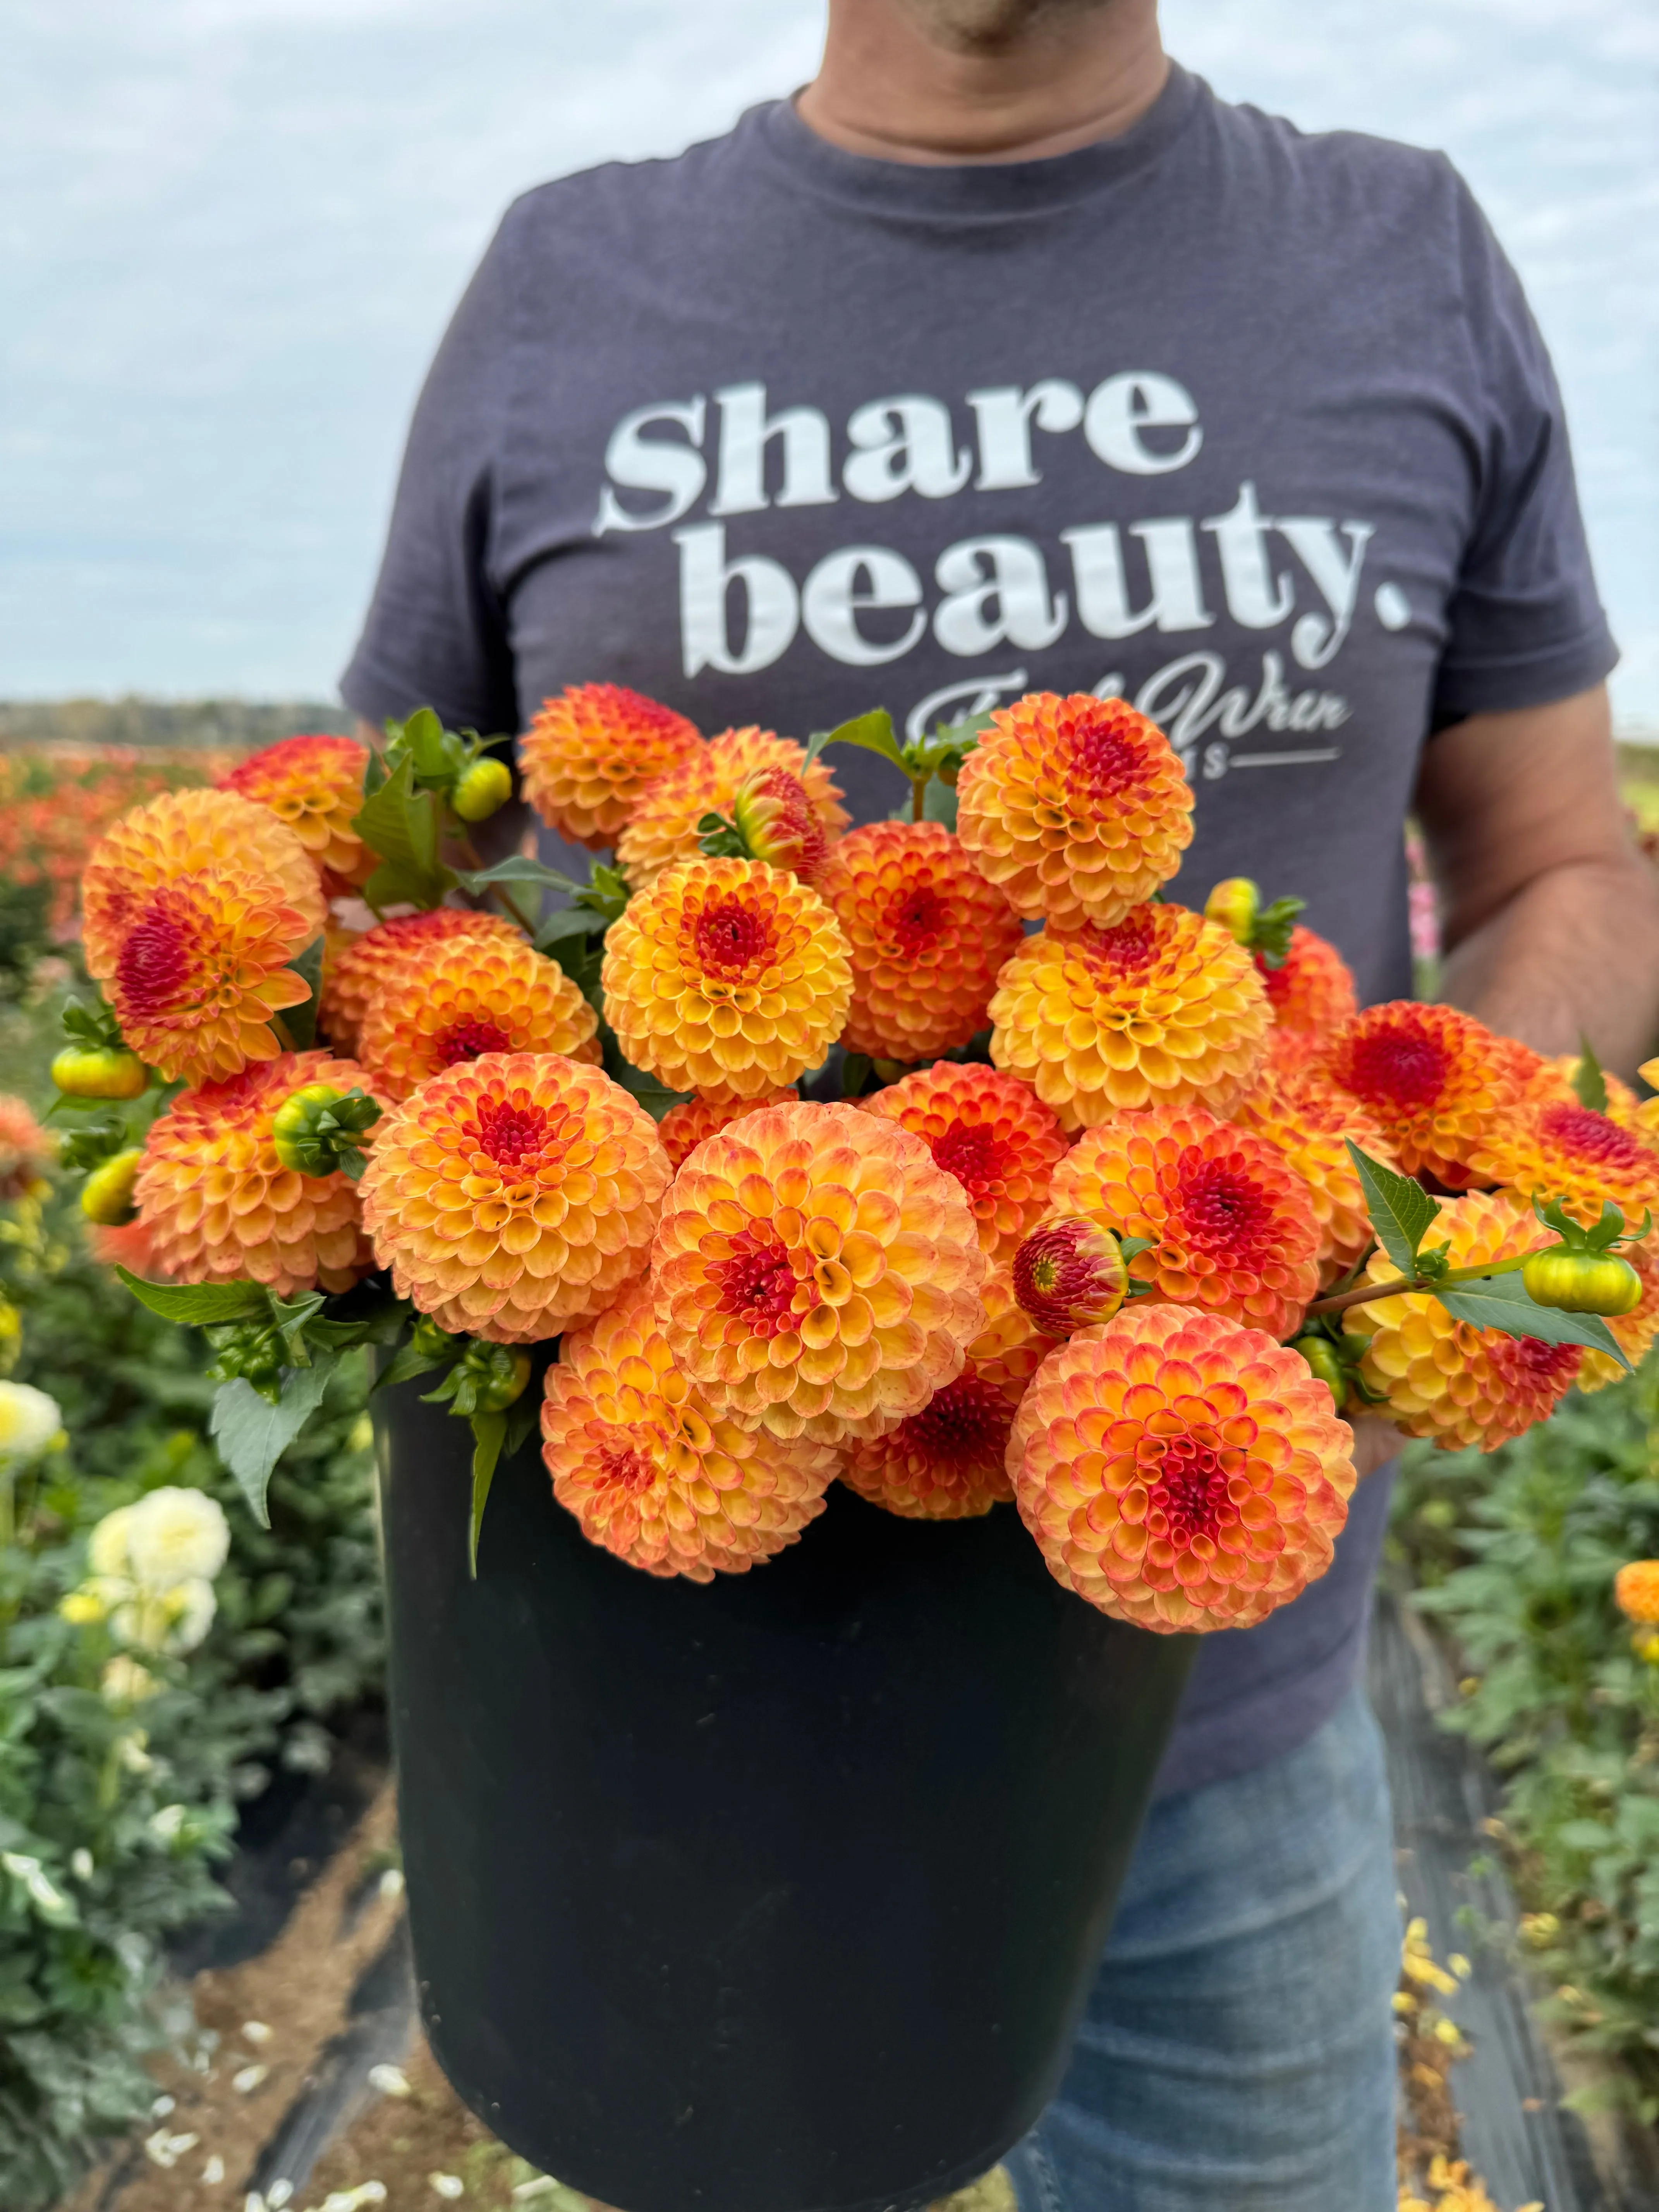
229	723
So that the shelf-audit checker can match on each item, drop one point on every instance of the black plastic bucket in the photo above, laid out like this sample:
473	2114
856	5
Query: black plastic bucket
777	1894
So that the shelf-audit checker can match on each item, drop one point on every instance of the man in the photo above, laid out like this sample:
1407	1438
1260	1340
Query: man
1006	357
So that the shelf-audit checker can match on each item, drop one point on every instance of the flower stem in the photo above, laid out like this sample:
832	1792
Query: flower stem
1403	1284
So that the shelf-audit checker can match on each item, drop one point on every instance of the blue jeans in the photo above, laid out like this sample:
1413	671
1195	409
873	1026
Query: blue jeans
1237	2052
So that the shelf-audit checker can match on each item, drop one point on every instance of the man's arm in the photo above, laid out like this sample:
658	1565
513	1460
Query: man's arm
1550	915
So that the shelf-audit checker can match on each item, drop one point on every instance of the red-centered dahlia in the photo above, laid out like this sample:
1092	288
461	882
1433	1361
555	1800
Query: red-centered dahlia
927	934
1555	1081
1069	1274
1438	1082
727	978
1230	1225
1563	1149
515	1193
988	1130
662	829
1312	993
26	1150
1180	1471
178	835
218	1206
1309	1122
777	821
1161	1009
1634	1332
1446	1379
590	752
465	996
651	1472
1076	808
201	969
353	975
816	1274
315	784
683	1128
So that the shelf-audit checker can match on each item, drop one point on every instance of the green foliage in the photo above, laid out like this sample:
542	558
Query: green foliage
1516	1555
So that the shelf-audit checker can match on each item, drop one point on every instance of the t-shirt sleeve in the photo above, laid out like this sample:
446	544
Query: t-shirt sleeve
435	635
1525	625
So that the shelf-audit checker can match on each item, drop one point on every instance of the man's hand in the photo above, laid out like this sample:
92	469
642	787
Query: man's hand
1551	916
1375	1442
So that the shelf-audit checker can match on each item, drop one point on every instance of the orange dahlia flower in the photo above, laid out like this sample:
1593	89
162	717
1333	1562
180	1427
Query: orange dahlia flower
1180	1471
202	969
515	1193
1446	1379
590	752
1636	1592
726	977
1309	1124
927	934
1230	1225
1312	993
683	1127
1633	1332
315	784
947	1462
465	996
651	1472
351	977
1563	1149
1437	1081
1553	1081
176	836
26	1149
816	1273
662	829
217	1204
1163	1008
988	1131
1076	808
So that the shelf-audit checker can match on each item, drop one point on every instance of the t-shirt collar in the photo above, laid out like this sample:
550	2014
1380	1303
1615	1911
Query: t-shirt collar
976	191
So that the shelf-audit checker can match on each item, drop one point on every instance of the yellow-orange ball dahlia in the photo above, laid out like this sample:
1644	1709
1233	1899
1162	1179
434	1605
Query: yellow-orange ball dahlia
218	1206
651	1472
202	969
1636	1592
1181	1472
1633	1332
991	1133
465	996
515	1193
1077	808
927	934
816	1274
590	752
727	978
353	975
178	835
1163	1008
1312	991
315	784
1446	1379
1563	1149
1231	1224
1437	1081
1309	1122
26	1149
683	1127
662	828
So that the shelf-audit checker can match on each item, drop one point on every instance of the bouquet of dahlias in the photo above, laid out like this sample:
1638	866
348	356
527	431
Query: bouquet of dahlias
817	1159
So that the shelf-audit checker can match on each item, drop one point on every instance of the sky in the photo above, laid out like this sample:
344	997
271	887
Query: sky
231	232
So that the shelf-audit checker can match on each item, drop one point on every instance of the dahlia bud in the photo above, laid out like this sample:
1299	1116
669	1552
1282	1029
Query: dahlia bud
106	1195
318	1130
482	787
488	1378
1069	1274
1322	1356
774	820
1582	1281
82	1071
1235	903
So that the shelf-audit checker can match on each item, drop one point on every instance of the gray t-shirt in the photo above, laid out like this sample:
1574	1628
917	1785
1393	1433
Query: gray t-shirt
1251	427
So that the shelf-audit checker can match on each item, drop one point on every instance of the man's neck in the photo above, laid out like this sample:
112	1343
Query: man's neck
891	86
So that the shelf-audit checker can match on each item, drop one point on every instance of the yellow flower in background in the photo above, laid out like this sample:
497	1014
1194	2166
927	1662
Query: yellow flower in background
124	1681
30	1422
153	1563
173	1535
1636	1592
